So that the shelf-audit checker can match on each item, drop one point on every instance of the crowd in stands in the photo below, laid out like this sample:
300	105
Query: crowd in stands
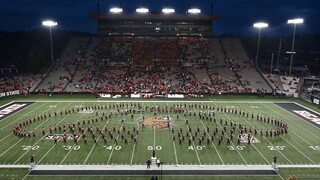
22	82
145	65
290	84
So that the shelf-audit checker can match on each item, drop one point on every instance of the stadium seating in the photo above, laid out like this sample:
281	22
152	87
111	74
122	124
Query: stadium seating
243	67
153	65
60	75
289	84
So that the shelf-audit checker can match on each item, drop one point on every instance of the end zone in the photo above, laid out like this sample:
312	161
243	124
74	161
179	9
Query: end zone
302	112
11	108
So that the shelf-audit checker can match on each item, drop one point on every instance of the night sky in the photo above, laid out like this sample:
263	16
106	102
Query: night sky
238	16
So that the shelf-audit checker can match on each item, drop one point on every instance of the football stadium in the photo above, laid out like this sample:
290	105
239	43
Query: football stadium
160	96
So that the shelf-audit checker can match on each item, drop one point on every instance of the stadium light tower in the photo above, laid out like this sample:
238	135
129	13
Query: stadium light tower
259	25
294	22
50	24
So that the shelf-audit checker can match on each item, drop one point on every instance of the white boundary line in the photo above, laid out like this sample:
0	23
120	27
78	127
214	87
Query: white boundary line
307	108
42	136
268	140
6	104
291	143
298	116
295	122
52	147
20	117
17	143
169	101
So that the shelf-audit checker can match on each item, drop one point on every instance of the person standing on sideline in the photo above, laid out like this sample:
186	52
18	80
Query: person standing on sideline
32	159
158	162
148	164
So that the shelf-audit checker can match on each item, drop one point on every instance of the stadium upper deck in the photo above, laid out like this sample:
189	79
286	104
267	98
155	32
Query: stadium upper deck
155	24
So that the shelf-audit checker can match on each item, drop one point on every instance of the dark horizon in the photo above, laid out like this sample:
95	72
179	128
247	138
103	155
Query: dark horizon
237	17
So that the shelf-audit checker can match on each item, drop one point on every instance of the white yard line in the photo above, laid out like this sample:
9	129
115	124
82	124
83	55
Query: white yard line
175	153
132	155
53	146
11	147
293	145
256	147
268	140
174	145
307	108
6	137
154	138
154	129
85	161
134	146
293	121
113	147
18	141
195	148
15	121
21	116
231	141
41	137
298	150
26	175
46	153
279	175
213	144
65	157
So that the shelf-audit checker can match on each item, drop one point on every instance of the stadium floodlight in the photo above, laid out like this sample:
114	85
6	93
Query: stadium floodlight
194	11
259	25
116	10
50	24
294	22
142	10
168	10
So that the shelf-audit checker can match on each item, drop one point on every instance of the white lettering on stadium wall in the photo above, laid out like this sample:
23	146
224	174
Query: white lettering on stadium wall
9	93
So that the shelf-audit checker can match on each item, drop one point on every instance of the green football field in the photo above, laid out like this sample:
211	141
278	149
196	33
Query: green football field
126	132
